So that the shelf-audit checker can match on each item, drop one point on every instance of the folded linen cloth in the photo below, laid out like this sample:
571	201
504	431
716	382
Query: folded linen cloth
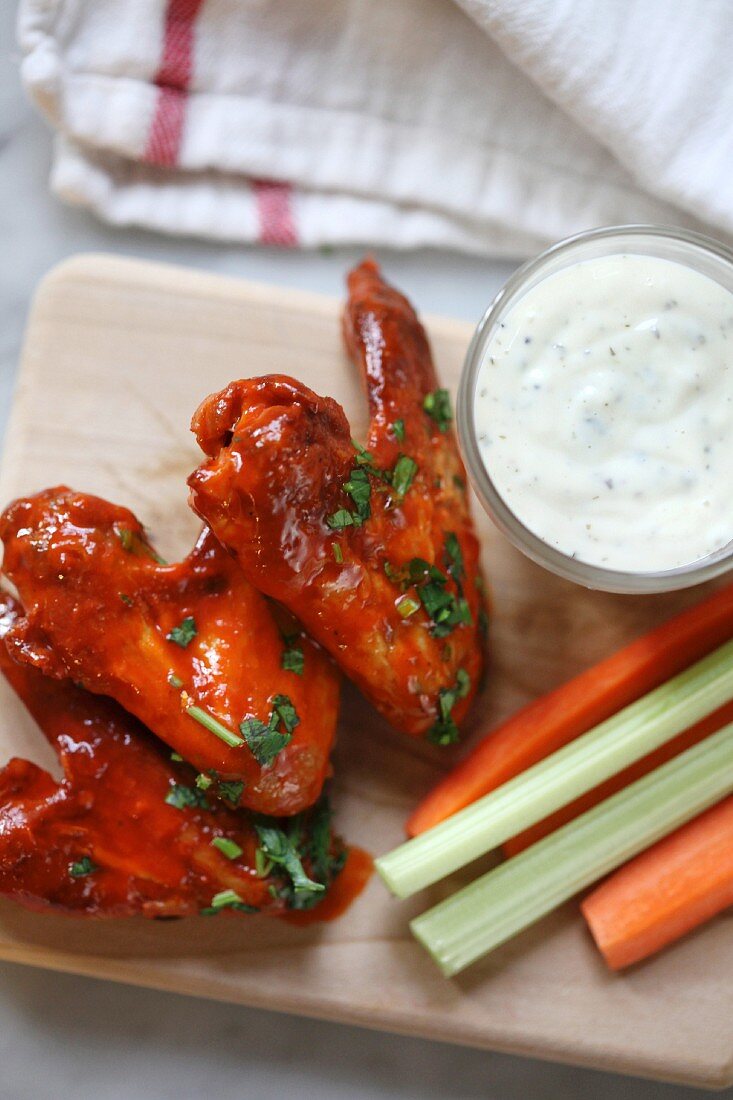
490	126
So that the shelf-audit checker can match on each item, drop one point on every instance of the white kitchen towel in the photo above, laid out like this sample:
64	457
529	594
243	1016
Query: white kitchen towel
491	126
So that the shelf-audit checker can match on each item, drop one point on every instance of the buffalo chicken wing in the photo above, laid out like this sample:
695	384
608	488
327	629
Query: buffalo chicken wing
190	649
127	831
372	548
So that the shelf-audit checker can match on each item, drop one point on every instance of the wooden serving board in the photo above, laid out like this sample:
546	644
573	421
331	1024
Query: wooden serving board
118	355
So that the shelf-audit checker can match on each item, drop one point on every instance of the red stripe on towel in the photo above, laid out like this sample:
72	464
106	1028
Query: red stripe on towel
172	78
275	213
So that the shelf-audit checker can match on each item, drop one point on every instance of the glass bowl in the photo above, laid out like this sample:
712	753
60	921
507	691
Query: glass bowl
703	254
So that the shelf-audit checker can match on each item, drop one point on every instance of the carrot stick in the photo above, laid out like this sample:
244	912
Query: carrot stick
685	740
669	889
547	724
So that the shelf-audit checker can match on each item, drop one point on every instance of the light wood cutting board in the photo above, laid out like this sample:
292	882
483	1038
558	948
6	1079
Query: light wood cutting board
118	355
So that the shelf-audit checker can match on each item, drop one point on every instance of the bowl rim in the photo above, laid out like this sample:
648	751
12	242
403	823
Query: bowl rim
531	544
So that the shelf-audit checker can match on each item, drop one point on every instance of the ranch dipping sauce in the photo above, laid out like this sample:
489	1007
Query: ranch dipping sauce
603	412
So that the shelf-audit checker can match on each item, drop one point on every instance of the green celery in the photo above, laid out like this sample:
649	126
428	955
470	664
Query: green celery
562	777
519	892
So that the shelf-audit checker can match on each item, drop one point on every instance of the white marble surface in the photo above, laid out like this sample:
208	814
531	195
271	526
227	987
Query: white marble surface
62	1035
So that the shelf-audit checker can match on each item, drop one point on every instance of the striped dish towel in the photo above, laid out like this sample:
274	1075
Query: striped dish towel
490	126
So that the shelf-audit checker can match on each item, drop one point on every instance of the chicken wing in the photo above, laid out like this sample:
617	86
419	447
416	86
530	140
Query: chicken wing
373	549
191	649
127	831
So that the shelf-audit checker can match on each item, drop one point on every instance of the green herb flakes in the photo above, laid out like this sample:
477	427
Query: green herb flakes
125	535
358	487
398	430
338	554
227	847
227	899
266	741
231	790
281	851
82	867
184	633
403	474
406	606
285	711
185	798
454	557
293	658
445	731
203	782
213	725
438	407
340	519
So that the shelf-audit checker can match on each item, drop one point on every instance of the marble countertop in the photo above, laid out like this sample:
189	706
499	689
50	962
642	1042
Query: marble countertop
62	1035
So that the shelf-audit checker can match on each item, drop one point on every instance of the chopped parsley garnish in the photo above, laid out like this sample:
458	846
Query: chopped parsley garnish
127	600
403	473
213	725
459	482
231	790
227	847
445	609
438	407
203	782
176	758
292	659
184	798
445	731
398	428
365	459
454	557
184	633
463	683
133	542
227	899
285	711
124	534
359	489
280	850
340	519
406	606
338	554
81	867
266	741
326	862
175	681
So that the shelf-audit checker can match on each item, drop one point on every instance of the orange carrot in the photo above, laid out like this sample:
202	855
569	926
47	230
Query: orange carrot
548	723
669	889
678	744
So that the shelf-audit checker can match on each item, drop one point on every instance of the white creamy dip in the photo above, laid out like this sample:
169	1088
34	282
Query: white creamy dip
604	412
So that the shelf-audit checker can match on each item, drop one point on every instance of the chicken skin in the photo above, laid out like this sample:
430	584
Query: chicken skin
128	832
373	549
191	649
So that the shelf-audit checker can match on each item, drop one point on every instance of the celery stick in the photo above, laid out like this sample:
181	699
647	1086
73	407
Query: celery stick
554	782
517	893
